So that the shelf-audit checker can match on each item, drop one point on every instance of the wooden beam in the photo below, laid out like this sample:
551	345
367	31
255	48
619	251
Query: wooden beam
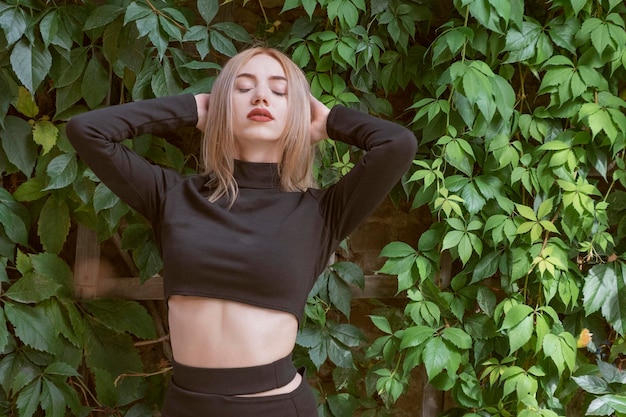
376	286
86	263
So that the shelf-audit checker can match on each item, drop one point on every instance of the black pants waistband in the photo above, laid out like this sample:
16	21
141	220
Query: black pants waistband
182	403
235	381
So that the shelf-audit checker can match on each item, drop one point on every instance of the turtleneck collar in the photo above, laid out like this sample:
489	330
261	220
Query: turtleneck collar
256	174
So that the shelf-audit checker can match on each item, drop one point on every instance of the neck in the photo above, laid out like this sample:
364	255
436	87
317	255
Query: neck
258	153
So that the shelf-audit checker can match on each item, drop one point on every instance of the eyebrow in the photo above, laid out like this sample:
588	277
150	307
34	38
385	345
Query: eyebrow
272	77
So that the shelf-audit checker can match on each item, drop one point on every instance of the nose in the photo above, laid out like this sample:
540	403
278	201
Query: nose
261	95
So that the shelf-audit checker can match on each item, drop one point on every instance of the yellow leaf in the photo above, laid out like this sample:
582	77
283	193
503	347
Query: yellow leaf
584	338
45	134
26	104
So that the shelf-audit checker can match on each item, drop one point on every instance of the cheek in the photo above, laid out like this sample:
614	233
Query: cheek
283	108
238	110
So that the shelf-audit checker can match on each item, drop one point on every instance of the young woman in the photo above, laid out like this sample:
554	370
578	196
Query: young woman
243	243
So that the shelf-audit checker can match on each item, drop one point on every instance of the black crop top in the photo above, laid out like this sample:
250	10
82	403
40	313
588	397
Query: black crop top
270	246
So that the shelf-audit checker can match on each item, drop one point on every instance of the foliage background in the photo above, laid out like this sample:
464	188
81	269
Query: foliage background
519	110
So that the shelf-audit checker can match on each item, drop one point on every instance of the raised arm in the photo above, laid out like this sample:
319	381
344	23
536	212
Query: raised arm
97	136
390	149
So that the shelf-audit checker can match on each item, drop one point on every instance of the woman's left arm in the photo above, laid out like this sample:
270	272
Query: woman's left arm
389	151
319	119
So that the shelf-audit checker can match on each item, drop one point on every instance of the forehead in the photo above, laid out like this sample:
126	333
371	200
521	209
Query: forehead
262	66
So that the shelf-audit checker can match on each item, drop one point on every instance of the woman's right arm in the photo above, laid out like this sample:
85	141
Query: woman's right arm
97	136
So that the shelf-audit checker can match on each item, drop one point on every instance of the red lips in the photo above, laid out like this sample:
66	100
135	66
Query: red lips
260	115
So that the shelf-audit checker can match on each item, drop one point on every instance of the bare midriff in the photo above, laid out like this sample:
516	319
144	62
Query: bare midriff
215	333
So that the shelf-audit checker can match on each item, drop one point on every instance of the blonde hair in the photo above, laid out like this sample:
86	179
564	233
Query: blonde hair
218	144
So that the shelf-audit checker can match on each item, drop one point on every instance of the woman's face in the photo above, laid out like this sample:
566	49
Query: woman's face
259	109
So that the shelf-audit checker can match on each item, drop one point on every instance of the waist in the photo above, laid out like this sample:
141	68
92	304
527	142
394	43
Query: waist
215	333
235	381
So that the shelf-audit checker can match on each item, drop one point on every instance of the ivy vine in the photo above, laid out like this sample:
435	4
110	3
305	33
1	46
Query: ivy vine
514	293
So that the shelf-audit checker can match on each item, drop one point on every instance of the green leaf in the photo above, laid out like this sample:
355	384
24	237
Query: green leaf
397	250
518	321
458	337
62	171
415	336
522	45
578	5
170	28
95	84
466	247
452	239
234	31
458	156
33	288
222	44
562	32
347	334
592	384
350	273
319	354
382	323
176	16
135	235
611	373
342	404
605	291
53	267
148	259
437	356
346	51
33	327
599	120
16	136
54	224
104	198
53	400
607	405
486	266
13	225
30	63
339	354
16	372
163	82
478	90
109	390
108	352
339	294
13	22
136	11
103	15
208	9
123	316
526	212
545	208
309	337
552	349
29	398
4	334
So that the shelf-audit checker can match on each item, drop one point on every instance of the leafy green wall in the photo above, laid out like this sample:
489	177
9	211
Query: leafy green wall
519	110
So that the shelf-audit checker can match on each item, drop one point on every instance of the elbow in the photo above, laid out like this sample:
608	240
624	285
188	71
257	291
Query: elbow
406	146
411	143
73	129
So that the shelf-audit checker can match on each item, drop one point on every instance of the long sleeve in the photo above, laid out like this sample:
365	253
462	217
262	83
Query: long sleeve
97	136
390	149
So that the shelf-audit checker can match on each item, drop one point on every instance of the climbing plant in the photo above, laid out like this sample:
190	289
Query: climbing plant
514	291
523	125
